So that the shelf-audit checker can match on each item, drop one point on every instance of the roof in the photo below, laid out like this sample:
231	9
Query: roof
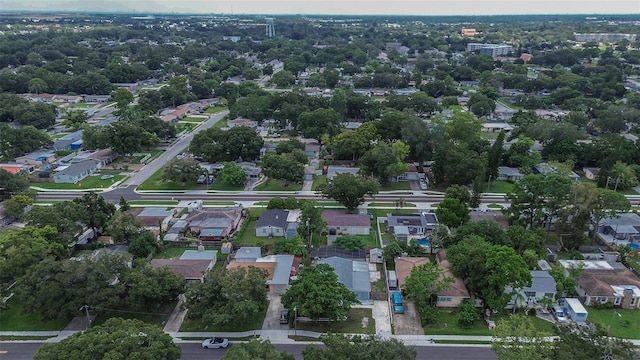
323	252
214	217
199	255
212	232
332	171
78	168
155	212
189	269
509	171
404	265
270	267
273	217
14	168
541	282
282	271
353	274
343	218
248	252
590	265
600	282
416	219
457	287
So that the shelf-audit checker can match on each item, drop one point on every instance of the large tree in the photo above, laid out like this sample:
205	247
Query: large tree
225	297
385	161
256	349
593	342
216	145
117	338
317	293
286	167
12	184
452	213
516	337
314	124
311	220
527	202
94	211
349	190
182	170
424	284
504	268
232	174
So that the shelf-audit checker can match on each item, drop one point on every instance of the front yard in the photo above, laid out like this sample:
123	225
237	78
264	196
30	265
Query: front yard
155	182
359	321
626	326
396	185
215	109
198	325
91	182
498	187
277	185
157	316
448	325
12	319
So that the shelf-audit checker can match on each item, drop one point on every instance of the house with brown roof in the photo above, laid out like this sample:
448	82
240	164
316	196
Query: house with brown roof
191	270
154	217
457	291
280	268
215	223
404	265
618	286
340	222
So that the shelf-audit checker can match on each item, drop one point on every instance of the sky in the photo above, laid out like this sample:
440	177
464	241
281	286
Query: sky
333	7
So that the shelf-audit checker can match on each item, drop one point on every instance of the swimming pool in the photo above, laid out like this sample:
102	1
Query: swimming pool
634	246
424	242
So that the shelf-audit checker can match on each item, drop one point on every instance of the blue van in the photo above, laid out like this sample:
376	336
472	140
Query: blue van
396	300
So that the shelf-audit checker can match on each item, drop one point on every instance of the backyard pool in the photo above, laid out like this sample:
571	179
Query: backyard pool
424	242
634	246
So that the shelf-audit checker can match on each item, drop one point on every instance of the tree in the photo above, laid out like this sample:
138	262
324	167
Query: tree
149	286
452	213
294	246
117	338
256	349
527	202
520	155
123	227
423	285
385	161
622	176
566	280
592	343
142	244
122	97
504	267
359	348
311	220
37	85
390	124
285	167
317	293
349	243
225	297
314	124
494	159
289	146
490	231
14	207
63	216
95	211
75	119
38	115
123	204
516	337
216	145
467	313
349	190
182	170
12	184
283	78
232	174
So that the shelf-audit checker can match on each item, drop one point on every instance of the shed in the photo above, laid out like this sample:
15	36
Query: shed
576	311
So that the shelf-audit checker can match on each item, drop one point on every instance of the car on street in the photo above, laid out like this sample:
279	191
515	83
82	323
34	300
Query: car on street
284	316
215	343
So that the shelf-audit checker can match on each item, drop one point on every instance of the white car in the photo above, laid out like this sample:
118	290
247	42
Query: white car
215	343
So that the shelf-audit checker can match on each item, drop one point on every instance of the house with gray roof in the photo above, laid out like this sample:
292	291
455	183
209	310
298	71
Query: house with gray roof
65	142
411	226
272	222
76	172
353	274
200	254
279	270
506	173
543	286
248	254
333	170
215	223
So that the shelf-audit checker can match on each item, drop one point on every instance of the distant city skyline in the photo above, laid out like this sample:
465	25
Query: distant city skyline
332	7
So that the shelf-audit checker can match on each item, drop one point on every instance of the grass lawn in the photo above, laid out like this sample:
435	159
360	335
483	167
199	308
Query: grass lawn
249	238
11	319
319	180
221	186
155	182
276	185
222	123
627	326
389	204
499	187
397	185
58	136
194	119
448	325
185	126
82	105
353	324
157	316
154	153
368	240
634	261
495	206
381	284
215	109
383	212
193	325
91	182
628	192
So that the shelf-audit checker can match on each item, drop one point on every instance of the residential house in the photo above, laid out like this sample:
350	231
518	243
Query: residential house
312	149
215	223
96	98
280	268
76	172
102	157
591	173
251	169
69	141
618	286
17	168
351	125
543	286
457	291
240	121
546	169
200	254
248	254
333	170
623	229
411	226
353	274
191	270
339	222
41	159
506	173
293	220
176	231
154	218
495	127
404	265
272	222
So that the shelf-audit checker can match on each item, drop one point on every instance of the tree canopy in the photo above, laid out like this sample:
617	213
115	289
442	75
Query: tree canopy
349	190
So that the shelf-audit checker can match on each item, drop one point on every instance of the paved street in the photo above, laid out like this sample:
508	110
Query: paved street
140	176
194	351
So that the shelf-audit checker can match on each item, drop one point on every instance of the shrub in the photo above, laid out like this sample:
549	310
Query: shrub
467	314
349	243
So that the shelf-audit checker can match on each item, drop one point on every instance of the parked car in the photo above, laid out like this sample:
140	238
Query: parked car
396	300
202	179
284	316
215	343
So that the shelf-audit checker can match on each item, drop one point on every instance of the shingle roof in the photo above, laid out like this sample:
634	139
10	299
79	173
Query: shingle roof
342	218
189	269
404	265
353	274
598	282
457	288
273	217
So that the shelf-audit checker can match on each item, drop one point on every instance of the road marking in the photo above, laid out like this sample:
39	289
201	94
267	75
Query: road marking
4	352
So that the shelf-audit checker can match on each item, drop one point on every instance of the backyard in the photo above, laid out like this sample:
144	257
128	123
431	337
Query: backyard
177	251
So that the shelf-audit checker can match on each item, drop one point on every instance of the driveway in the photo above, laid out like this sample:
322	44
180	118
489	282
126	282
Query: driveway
409	322
272	320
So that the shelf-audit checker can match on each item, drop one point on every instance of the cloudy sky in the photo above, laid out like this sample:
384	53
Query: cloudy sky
364	7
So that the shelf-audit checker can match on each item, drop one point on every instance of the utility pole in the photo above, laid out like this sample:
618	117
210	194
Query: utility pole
86	309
